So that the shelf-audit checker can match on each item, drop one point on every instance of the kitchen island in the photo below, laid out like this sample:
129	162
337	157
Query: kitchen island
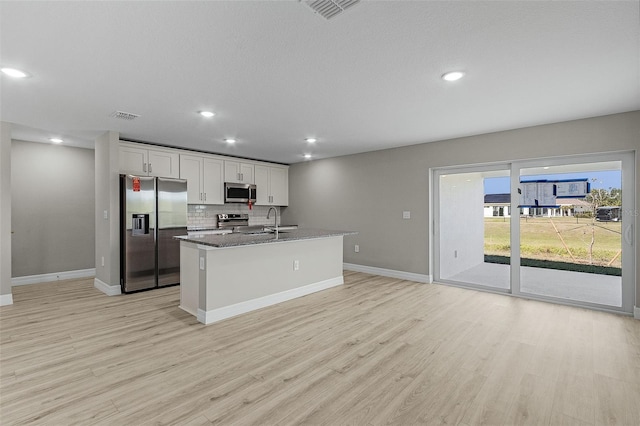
222	276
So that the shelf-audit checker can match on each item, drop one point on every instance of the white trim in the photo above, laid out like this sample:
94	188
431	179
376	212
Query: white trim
636	312
6	299
109	290
411	276
219	314
55	276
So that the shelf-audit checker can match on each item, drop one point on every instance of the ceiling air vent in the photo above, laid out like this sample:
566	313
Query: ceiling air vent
330	8
124	115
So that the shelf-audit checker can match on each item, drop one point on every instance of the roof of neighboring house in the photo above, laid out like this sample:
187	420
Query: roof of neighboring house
506	199
497	198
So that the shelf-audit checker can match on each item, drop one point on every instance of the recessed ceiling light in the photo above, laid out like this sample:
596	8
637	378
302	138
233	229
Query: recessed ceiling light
307	156
12	72
56	140
311	140
230	140
453	75
207	114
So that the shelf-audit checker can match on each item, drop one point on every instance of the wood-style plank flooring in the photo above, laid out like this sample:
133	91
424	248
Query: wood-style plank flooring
374	351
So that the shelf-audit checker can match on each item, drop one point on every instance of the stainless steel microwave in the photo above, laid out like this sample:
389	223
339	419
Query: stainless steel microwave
239	192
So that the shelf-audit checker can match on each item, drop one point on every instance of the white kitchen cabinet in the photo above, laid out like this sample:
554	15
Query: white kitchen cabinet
272	186
238	172
204	177
149	162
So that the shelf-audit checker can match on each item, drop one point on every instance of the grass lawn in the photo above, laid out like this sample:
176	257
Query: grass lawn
539	239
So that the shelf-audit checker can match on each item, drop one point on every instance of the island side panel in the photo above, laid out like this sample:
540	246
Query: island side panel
237	275
189	277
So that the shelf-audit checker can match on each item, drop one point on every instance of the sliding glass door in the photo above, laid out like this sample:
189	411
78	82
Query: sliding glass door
571	245
473	219
553	229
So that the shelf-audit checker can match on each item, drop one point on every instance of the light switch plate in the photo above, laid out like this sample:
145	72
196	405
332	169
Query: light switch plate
406	214
106	214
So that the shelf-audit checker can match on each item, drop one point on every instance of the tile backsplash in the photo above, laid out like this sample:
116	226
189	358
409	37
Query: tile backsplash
205	215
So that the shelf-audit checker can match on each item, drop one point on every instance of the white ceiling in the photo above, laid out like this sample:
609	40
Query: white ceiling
275	73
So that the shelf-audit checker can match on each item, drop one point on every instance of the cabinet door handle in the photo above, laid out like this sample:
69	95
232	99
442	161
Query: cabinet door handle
149	167
242	177
144	167
201	196
205	196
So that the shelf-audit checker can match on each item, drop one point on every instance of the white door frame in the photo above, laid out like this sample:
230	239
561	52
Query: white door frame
628	247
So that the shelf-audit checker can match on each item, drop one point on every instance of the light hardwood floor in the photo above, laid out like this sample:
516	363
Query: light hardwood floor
374	351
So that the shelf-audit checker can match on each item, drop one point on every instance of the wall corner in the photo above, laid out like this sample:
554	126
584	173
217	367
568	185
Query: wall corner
6	297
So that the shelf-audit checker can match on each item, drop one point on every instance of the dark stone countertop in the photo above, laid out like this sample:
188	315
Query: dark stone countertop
239	239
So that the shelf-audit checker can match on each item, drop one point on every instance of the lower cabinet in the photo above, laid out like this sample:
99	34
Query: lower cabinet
272	186
204	177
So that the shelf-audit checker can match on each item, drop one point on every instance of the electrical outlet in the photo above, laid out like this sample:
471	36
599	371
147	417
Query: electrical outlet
356	248
406	214
102	260
202	263
296	265
106	215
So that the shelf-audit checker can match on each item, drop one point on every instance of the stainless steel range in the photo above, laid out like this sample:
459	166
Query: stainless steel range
233	220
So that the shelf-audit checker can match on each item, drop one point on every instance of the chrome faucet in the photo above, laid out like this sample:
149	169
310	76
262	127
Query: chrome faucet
276	217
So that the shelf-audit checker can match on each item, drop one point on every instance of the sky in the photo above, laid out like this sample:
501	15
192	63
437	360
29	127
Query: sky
604	180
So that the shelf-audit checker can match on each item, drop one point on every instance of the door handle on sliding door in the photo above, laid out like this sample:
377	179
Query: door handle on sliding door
628	234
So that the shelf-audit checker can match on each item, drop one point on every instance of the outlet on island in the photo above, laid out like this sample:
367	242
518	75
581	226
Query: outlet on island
356	248
296	265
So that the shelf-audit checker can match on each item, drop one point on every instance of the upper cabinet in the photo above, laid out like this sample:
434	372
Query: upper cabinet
204	177
206	173
149	162
238	172
272	185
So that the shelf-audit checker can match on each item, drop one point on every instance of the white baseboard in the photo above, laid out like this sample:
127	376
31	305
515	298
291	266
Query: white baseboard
215	315
6	299
421	278
636	312
55	276
109	290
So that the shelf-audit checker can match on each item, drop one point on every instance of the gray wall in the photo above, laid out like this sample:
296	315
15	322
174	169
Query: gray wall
6	298
368	192
107	235
52	208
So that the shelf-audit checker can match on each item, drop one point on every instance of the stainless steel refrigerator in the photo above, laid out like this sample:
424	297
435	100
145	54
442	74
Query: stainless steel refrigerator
152	211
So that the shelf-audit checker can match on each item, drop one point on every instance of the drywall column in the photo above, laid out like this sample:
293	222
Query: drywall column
6	298
107	219
636	222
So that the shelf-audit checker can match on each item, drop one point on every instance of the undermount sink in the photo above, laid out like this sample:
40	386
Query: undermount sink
273	230
262	230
